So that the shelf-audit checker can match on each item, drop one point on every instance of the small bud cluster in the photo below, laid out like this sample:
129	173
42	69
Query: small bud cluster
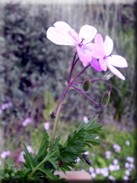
9	173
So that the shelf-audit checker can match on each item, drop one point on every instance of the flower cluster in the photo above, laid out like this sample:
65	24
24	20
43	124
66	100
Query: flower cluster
98	54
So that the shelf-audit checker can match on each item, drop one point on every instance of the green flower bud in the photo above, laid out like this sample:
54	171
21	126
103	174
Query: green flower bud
86	84
106	97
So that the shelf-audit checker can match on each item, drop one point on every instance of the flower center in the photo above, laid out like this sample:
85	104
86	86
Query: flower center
105	57
81	44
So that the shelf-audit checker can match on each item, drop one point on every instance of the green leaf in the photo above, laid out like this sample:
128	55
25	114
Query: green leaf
30	163
77	141
55	145
43	147
73	147
24	172
49	174
91	125
66	166
54	162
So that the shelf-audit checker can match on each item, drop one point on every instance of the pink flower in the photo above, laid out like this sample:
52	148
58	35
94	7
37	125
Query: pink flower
127	165
111	177
106	60
85	119
4	154
21	156
26	122
63	34
116	147
108	154
127	143
91	169
104	171
46	125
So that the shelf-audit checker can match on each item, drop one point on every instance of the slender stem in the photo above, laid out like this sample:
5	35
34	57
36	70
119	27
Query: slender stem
80	73
58	109
57	115
97	80
76	61
38	166
86	96
72	67
80	82
61	98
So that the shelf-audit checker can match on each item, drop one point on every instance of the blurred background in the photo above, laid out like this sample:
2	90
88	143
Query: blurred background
32	75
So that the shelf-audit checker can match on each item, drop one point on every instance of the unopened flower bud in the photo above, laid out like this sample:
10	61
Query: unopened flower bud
86	84
106	98
108	75
53	115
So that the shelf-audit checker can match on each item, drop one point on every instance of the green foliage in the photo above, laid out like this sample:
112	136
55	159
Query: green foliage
51	157
110	136
30	163
43	163
43	147
76	143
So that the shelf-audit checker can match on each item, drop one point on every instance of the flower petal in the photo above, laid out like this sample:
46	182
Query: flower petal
87	33
118	61
84	55
62	34
99	40
97	51
95	64
108	45
116	72
103	64
64	27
